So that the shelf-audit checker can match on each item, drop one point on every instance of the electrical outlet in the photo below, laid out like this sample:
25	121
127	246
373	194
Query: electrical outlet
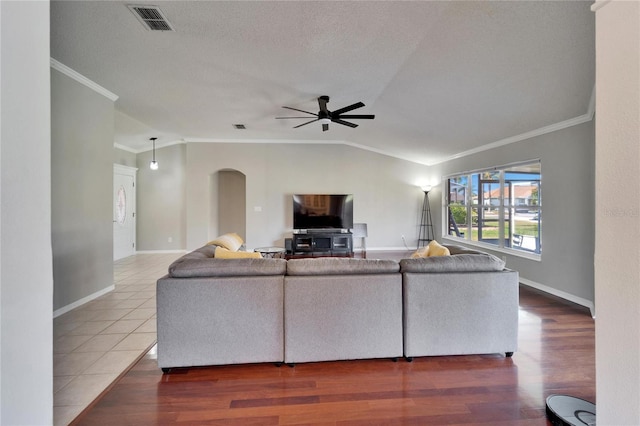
404	241
170	239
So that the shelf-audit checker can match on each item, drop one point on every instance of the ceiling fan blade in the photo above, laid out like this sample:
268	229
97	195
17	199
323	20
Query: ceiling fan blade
344	123
348	108
325	127
322	103
363	116
299	110
304	124
285	118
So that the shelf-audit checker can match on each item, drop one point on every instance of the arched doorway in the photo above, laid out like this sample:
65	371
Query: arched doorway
228	203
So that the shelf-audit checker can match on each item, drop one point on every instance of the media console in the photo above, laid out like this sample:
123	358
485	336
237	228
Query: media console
322	243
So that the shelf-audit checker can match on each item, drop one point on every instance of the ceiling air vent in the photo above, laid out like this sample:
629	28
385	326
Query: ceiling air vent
240	126
151	17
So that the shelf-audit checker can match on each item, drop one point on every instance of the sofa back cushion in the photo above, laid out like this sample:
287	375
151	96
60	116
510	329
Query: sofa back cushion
472	262
455	249
341	266
212	267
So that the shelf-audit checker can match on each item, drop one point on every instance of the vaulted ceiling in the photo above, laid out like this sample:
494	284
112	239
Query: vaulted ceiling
442	78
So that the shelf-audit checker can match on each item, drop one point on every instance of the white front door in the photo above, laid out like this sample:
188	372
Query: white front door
124	211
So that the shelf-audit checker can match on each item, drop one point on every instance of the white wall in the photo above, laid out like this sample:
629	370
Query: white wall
26	284
617	257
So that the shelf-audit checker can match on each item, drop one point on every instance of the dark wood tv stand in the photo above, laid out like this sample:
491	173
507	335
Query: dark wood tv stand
321	244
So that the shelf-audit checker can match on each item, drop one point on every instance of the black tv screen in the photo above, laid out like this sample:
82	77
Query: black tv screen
323	211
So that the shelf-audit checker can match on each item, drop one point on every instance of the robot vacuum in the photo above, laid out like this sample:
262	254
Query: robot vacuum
563	410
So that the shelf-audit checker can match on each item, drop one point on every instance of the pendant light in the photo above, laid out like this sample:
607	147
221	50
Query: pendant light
153	165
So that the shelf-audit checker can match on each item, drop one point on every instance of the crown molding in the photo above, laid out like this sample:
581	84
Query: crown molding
265	141
586	117
521	137
158	146
591	110
125	148
386	153
599	4
304	142
56	65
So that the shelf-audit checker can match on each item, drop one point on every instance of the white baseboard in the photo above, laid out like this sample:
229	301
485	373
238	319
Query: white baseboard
411	250
82	301
160	251
561	294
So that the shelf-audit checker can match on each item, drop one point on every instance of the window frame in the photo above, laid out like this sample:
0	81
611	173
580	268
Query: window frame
474	204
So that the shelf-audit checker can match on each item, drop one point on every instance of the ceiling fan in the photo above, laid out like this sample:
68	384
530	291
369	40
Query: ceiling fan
324	116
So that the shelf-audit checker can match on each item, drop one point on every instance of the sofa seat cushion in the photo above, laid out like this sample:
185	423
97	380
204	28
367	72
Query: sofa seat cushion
191	268
476	262
341	266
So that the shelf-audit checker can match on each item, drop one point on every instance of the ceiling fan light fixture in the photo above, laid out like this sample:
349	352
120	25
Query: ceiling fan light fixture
325	121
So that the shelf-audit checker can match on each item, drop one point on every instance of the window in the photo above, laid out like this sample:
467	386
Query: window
500	207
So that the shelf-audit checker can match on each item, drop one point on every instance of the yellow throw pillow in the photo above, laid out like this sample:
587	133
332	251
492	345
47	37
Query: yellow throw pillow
435	249
230	241
421	252
223	253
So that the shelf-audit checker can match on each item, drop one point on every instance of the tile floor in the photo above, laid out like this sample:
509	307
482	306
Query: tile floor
94	343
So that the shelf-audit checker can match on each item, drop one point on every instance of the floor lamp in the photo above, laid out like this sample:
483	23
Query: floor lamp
426	225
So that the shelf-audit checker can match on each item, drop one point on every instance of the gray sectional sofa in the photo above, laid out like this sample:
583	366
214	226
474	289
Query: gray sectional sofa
340	308
466	303
231	311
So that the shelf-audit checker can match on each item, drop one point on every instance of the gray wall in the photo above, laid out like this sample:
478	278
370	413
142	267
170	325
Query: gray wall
385	191
125	158
567	160
160	200
231	202
26	283
81	190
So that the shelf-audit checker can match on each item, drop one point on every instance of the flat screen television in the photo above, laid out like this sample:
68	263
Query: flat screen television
323	211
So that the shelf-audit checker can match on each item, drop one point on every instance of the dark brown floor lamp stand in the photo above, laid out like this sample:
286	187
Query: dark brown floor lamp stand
425	235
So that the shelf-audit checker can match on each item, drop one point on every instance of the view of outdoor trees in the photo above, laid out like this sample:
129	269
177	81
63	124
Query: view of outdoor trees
500	207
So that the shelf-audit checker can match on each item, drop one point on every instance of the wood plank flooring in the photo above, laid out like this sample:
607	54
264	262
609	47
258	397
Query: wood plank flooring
556	355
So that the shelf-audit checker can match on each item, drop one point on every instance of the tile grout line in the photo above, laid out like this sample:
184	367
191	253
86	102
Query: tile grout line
82	324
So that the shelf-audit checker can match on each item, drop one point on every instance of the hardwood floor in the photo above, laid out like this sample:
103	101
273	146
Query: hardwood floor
556	355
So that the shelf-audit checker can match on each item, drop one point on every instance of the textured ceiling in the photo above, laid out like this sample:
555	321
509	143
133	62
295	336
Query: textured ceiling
442	78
